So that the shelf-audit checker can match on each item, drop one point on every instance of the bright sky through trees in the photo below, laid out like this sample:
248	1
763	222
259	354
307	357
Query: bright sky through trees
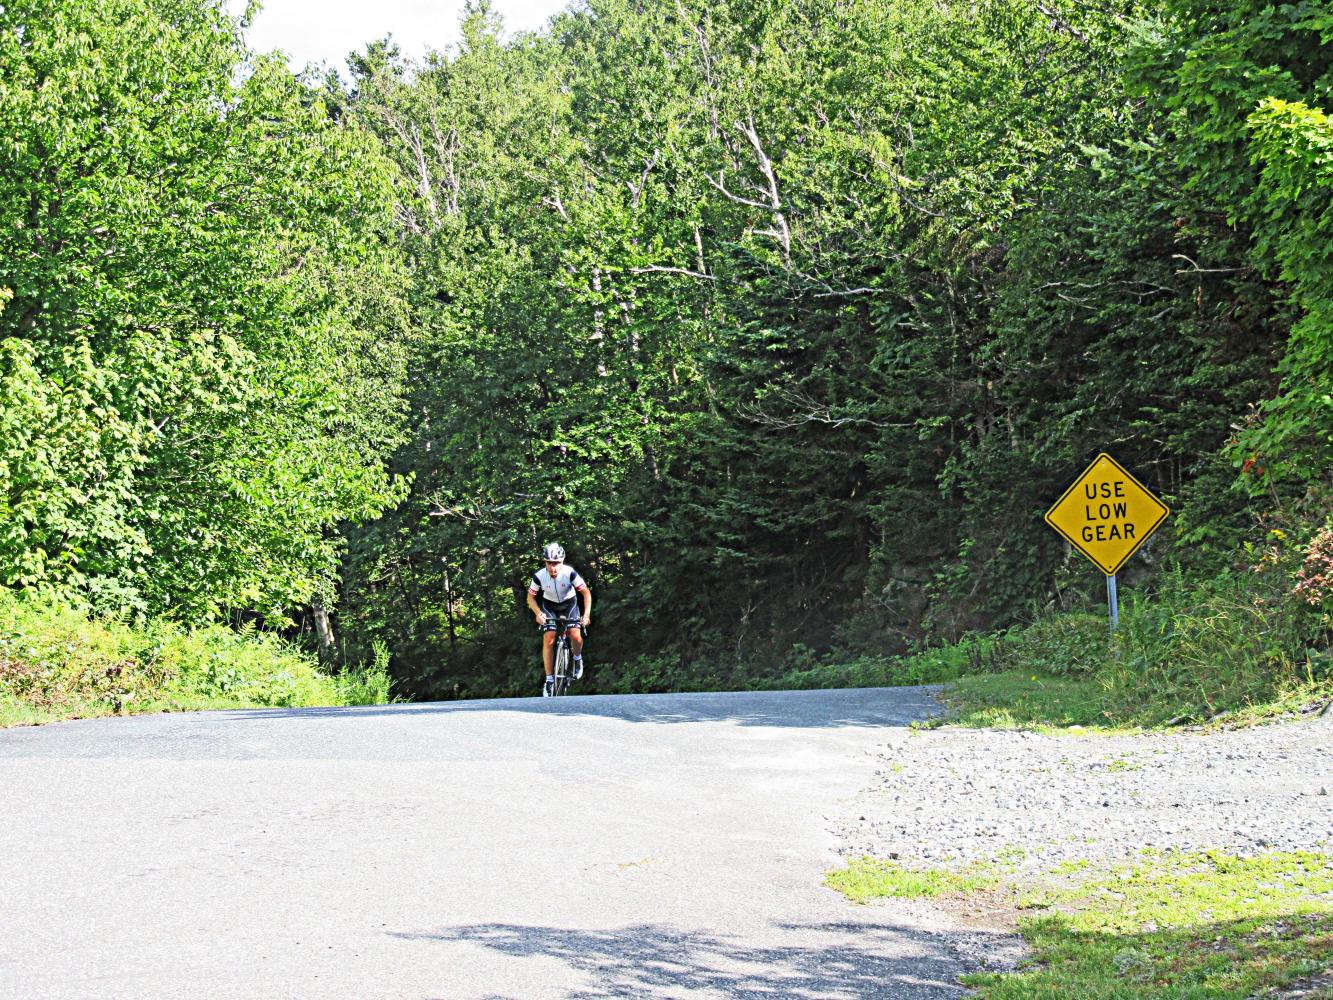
312	31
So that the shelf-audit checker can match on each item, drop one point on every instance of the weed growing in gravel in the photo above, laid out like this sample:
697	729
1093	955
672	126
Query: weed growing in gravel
872	878
1123	764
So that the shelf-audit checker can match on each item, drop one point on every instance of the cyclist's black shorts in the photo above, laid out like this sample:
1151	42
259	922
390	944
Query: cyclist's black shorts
569	610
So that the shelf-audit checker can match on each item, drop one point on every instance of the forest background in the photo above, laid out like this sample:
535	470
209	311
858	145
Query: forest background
788	319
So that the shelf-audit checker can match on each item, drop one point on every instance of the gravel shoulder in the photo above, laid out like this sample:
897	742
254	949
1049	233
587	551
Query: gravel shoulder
951	795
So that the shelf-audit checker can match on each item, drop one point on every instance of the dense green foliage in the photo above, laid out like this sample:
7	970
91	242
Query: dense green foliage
1244	84
787	318
200	316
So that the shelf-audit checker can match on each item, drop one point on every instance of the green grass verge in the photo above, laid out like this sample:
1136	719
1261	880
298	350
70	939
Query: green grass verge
58	663
1171	926
1050	704
1222	651
1031	701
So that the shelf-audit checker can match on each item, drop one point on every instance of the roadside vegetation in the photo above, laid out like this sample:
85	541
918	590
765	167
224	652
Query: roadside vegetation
1170	926
1226	651
1239	648
873	878
57	663
844	293
1236	649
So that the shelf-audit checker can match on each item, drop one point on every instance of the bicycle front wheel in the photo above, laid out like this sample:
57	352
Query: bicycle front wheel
562	669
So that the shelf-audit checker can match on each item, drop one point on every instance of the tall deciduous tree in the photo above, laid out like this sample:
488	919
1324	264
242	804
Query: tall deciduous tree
199	342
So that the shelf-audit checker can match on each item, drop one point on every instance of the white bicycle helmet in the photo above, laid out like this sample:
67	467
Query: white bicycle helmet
553	553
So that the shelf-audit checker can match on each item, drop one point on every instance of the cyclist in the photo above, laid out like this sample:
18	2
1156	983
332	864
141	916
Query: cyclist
557	590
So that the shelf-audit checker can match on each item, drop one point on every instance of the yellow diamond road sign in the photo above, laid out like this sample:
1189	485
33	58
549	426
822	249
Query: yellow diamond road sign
1107	514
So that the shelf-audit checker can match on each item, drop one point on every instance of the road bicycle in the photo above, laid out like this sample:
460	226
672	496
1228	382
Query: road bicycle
563	660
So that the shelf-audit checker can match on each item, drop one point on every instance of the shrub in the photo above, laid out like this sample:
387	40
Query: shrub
1215	645
367	685
58	662
1072	644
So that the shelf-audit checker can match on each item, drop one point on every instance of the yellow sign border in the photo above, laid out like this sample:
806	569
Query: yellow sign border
1166	512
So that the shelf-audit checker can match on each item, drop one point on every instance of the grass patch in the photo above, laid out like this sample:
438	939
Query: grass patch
1043	703
1031	701
1170	926
57	663
1178	926
871	878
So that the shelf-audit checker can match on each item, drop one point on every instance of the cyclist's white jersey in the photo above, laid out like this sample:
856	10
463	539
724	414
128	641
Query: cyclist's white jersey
559	589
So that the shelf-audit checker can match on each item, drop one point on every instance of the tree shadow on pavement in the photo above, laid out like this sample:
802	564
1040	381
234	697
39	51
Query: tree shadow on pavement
831	961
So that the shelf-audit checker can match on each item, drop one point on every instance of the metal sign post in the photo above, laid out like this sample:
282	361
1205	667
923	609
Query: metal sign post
1112	602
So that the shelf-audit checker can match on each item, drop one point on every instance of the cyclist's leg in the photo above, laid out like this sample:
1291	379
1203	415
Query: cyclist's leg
548	651
576	648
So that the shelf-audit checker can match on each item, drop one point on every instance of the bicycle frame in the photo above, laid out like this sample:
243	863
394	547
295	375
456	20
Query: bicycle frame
561	656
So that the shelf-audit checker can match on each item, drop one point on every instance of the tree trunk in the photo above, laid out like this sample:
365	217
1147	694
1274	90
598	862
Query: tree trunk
323	630
449	606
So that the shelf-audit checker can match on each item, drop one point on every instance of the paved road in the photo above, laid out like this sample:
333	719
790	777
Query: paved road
588	847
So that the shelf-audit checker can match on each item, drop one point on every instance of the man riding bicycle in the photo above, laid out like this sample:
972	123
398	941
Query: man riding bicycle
558	588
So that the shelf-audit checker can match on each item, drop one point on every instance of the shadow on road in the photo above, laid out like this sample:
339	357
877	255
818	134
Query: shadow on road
819	709
649	960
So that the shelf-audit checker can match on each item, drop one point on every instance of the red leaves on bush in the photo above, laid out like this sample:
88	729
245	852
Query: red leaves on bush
1314	580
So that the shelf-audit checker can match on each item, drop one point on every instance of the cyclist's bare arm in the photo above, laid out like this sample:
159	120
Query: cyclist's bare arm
586	594
537	611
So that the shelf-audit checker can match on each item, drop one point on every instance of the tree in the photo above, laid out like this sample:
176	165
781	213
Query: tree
1248	85
200	298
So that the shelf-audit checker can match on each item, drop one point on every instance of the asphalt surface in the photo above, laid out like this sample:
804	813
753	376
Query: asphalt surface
585	847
